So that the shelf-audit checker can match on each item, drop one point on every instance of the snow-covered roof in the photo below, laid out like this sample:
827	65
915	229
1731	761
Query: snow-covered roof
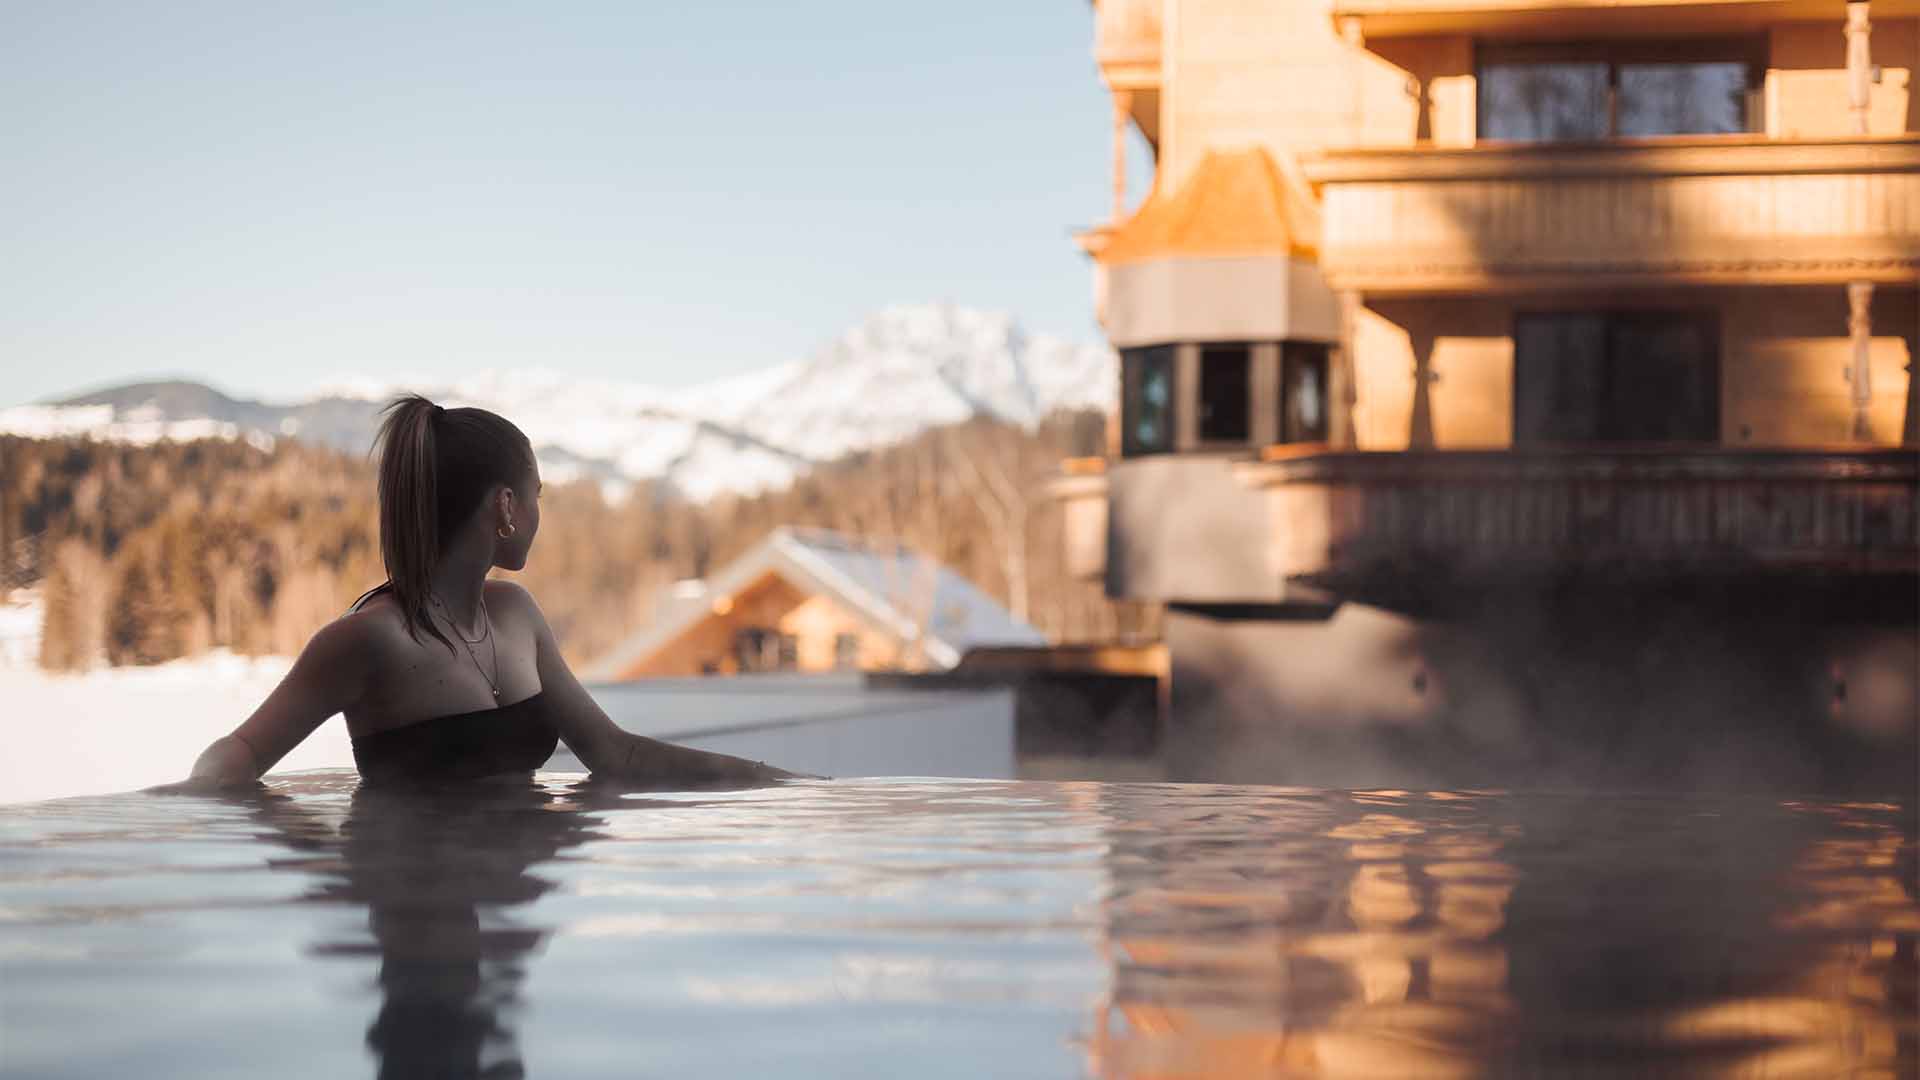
893	588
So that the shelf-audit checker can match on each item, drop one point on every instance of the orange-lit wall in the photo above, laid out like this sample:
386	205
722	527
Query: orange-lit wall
1784	358
1239	73
1278	75
775	604
1807	80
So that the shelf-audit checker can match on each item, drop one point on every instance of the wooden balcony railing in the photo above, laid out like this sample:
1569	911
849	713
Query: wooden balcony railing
1644	515
1647	212
1308	526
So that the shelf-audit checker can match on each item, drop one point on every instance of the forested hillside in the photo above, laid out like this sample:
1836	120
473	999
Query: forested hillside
145	554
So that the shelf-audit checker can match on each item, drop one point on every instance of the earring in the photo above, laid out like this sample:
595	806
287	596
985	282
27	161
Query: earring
505	533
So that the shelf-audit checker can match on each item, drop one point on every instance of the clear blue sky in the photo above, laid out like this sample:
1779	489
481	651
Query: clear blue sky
265	194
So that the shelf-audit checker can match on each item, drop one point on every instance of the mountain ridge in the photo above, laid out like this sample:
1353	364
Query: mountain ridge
899	372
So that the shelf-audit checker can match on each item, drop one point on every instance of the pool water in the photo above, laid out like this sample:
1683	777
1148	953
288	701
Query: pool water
953	928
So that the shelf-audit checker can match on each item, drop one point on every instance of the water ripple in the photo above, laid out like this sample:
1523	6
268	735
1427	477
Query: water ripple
954	928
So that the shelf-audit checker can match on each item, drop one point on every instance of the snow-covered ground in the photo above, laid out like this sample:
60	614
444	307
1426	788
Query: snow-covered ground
114	729
20	629
122	728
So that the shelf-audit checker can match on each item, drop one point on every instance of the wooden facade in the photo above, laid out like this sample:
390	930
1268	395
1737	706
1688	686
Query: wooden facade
1747	211
810	600
771	625
1576	346
1747	291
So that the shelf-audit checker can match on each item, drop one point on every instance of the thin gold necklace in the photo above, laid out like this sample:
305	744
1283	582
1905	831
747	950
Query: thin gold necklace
486	635
486	620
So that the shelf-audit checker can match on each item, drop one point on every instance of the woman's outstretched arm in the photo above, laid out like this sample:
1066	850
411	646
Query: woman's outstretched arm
608	751
328	677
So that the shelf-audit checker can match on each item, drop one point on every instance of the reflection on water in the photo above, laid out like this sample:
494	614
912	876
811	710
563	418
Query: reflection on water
954	928
1457	934
435	871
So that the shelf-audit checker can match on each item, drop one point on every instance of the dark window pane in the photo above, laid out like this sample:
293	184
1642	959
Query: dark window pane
1663	380
1226	383
750	649
1683	99
1631	377
846	651
1543	101
1558	363
1146	400
1303	392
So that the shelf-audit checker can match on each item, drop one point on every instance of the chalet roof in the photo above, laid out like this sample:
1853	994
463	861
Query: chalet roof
889	586
1234	203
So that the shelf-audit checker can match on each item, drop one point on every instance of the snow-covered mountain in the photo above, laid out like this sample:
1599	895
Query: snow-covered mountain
898	373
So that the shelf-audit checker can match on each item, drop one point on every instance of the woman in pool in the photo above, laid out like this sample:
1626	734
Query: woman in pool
441	673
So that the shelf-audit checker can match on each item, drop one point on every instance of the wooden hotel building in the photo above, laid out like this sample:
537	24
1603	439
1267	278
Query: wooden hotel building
1496	373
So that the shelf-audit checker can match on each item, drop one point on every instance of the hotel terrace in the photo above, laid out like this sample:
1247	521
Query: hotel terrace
1471	348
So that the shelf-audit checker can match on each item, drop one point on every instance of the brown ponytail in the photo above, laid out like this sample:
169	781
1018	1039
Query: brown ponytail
436	467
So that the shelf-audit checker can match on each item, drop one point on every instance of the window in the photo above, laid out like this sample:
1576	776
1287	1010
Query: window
1226	378
1615	377
1543	102
1708	98
1558	362
846	651
1303	392
750	648
1547	93
1146	400
756	648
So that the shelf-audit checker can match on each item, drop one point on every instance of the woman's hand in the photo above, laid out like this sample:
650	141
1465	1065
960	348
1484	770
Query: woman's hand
661	762
767	773
226	765
201	785
601	745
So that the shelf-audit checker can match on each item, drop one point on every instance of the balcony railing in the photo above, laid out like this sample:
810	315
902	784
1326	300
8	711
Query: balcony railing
1304	526
1353	521
1656	211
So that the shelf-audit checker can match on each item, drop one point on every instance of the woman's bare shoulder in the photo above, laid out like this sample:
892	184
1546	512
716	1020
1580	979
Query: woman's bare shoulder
510	597
371	631
513	606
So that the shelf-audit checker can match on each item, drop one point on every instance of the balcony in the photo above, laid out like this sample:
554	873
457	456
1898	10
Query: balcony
1299	527
1652	212
1369	524
1585	18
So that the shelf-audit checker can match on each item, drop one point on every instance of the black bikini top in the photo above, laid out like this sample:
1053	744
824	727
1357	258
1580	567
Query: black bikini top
514	738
